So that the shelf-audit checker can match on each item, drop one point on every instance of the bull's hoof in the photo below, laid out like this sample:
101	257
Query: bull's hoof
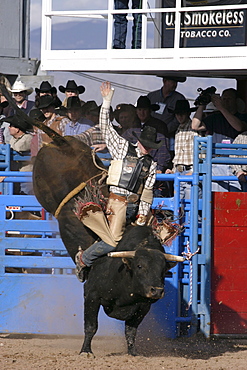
132	352
87	354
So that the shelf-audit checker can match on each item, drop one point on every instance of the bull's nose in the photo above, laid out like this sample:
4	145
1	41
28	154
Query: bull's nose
156	292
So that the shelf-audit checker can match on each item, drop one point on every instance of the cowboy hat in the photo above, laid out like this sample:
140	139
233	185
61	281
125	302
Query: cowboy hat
45	101
144	102
46	87
91	107
71	85
73	102
148	138
17	122
123	107
182	106
19	86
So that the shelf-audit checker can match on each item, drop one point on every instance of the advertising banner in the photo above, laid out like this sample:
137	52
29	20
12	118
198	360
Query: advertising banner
214	28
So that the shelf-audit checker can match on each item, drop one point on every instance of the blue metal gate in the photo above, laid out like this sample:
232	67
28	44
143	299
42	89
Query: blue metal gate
39	292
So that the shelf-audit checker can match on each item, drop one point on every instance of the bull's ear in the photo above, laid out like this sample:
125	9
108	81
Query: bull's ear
170	265
127	262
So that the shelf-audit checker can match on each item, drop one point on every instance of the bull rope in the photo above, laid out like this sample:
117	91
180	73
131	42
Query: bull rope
74	192
188	255
96	165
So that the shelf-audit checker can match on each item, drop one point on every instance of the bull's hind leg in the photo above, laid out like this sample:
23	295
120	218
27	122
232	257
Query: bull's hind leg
91	310
131	328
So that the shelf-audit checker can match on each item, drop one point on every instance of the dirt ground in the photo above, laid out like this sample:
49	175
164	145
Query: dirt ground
23	352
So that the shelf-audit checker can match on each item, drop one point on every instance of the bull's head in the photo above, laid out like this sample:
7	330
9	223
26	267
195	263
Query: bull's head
147	268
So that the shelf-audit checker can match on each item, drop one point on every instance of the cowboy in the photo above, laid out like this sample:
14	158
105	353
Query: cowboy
131	177
166	97
78	123
4	132
71	89
144	110
224	126
21	137
184	144
20	92
90	111
53	120
45	88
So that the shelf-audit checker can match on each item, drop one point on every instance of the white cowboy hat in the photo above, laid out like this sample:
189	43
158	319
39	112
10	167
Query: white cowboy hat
20	86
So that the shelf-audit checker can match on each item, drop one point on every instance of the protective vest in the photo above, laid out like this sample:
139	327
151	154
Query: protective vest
131	172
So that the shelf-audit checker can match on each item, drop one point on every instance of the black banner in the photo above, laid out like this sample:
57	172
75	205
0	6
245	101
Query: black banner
215	28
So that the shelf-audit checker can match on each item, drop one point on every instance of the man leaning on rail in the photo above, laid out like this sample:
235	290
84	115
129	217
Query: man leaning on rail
224	126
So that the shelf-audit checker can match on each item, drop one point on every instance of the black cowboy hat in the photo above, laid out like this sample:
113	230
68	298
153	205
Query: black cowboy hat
17	122
71	85
73	102
182	106
91	107
123	107
144	102
45	101
46	87
36	115
148	138
173	78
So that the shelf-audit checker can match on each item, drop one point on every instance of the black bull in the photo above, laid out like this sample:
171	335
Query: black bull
125	287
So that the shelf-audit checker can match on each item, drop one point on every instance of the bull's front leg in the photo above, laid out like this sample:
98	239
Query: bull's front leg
130	335
91	310
131	328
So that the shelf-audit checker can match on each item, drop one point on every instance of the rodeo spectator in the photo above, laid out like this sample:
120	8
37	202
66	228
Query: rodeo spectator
144	110
71	89
4	130
45	88
166	97
184	145
240	170
20	93
20	142
143	175
53	120
120	25
5	110
90	111
77	123
126	117
224	126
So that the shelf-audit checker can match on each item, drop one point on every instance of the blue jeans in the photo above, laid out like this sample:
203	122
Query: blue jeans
224	186
120	25
95	251
185	187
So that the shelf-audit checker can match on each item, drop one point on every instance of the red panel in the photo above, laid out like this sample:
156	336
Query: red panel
229	264
230	300
229	323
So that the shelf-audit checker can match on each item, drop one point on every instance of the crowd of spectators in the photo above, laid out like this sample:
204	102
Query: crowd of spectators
165	109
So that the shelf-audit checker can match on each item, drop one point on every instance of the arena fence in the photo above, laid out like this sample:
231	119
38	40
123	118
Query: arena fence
40	293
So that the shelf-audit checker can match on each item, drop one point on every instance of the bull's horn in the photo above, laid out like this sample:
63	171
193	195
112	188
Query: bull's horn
126	254
171	257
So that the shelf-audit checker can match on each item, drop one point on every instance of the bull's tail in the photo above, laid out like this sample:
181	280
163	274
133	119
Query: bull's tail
56	138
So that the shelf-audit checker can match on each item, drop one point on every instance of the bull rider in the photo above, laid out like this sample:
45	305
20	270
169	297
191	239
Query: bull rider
131	177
